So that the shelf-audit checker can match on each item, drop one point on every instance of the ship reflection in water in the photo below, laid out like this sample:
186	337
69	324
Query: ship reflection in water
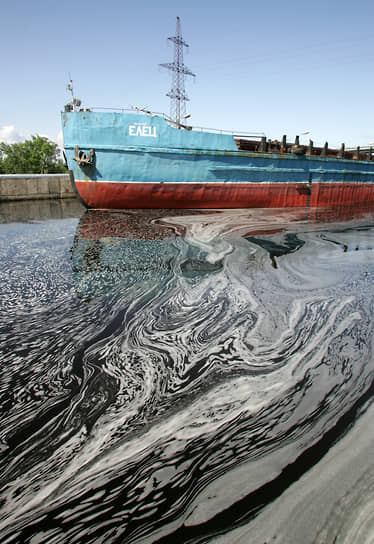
188	377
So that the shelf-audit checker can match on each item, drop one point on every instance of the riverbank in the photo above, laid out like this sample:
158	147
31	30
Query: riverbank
35	187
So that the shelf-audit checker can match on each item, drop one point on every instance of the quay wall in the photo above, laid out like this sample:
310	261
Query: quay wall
35	186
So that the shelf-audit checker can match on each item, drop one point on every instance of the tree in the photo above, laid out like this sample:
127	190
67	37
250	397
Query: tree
36	156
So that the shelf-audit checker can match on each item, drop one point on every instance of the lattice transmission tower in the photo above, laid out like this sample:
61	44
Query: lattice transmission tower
177	95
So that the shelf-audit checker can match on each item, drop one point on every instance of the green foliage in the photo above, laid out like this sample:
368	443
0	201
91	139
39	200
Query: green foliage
36	156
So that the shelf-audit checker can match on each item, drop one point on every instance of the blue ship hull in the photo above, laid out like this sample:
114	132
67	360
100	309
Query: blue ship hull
139	160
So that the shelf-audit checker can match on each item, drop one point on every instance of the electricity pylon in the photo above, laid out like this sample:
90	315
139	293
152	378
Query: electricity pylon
177	95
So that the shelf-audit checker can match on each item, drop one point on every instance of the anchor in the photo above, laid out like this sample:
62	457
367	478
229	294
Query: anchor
82	159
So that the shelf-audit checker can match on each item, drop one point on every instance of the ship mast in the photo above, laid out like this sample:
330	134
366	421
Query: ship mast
75	102
177	95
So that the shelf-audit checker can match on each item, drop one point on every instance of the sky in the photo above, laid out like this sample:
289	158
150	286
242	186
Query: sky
274	67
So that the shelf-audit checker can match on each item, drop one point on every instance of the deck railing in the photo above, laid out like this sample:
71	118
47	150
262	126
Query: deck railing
235	134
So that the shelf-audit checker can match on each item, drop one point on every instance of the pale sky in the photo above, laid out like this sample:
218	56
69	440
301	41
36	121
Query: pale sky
274	67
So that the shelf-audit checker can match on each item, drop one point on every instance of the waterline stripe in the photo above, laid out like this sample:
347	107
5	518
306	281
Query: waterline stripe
224	182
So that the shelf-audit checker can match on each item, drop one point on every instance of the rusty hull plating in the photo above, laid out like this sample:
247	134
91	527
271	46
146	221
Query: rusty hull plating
140	160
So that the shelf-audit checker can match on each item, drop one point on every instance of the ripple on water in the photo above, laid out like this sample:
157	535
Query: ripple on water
170	377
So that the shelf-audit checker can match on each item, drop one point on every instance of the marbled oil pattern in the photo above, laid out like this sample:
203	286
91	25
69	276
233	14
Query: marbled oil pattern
184	376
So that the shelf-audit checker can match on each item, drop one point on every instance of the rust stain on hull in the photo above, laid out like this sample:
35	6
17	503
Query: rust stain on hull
221	195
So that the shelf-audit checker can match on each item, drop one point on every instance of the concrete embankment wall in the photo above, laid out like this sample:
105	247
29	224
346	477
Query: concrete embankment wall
35	186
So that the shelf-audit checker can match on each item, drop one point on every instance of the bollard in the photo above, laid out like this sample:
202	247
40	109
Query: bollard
284	144
325	150
341	152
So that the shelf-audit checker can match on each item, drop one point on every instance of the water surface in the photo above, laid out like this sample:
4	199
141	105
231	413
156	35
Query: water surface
181	376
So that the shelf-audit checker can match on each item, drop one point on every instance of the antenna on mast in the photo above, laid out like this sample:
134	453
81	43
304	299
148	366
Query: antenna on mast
75	102
178	97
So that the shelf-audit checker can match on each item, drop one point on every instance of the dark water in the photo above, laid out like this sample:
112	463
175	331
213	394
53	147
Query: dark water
186	376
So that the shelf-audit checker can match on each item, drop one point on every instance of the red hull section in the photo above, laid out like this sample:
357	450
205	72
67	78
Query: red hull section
111	195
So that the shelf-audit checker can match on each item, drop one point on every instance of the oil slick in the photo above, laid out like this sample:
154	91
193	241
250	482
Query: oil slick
168	383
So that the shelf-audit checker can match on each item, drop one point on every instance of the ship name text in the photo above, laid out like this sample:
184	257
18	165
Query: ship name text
142	130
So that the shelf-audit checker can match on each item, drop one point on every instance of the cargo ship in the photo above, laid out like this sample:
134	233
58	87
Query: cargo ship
139	159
